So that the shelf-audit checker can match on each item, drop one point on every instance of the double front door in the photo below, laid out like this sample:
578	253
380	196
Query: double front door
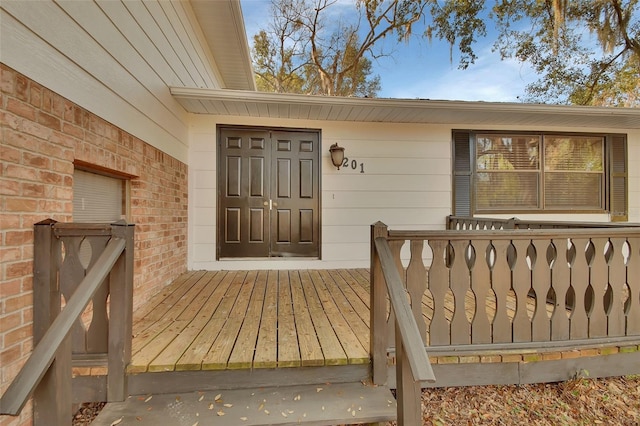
268	193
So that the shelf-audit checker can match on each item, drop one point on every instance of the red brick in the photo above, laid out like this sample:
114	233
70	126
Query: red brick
10	154
9	187
48	120
18	269
20	173
21	109
20	204
35	96
18	335
7	80
11	321
17	238
22	87
36	160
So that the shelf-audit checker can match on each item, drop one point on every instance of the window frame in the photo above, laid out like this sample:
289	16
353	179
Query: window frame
465	173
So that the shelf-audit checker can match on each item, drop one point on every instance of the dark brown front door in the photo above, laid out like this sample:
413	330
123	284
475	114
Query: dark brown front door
268	193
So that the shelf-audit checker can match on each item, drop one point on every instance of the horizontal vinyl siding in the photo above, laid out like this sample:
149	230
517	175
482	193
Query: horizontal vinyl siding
114	59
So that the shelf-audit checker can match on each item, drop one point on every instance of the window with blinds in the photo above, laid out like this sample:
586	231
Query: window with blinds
97	198
516	172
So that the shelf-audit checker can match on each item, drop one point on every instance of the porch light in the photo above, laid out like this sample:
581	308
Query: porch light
337	155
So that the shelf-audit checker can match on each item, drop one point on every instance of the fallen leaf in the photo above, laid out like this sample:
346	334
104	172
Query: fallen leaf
218	396
244	419
201	398
284	414
266	412
117	422
148	398
228	405
318	389
211	406
220	413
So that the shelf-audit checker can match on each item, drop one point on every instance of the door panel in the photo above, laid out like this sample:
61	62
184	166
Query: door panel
270	202
297	194
244	177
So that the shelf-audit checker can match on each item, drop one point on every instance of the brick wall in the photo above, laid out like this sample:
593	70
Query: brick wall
41	136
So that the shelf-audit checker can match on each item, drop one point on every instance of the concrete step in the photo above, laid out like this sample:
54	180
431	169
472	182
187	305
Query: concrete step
326	404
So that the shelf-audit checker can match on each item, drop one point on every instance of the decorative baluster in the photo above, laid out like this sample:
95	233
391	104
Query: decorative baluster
617	275
599	283
633	281
439	329
98	330
540	323
579	320
500	282
417	284
481	285
396	248
460	284
560	280
521	282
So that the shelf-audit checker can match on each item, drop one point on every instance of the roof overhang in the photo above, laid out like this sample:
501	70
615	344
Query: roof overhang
223	28
303	107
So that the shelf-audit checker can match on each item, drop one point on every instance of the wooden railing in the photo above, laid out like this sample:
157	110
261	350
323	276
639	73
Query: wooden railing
76	265
410	350
464	223
509	288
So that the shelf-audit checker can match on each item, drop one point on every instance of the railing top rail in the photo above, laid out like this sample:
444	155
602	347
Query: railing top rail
43	354
514	234
412	341
549	223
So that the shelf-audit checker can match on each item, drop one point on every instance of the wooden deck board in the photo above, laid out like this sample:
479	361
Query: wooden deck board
230	319
289	347
246	342
309	343
198	314
266	355
199	347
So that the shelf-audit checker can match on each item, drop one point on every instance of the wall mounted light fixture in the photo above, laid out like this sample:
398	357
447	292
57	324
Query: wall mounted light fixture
337	155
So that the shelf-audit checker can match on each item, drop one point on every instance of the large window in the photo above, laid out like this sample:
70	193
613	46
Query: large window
506	172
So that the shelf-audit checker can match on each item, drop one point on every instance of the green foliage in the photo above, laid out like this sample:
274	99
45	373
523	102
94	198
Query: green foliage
587	52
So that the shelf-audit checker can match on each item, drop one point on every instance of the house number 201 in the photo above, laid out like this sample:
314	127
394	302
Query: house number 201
353	164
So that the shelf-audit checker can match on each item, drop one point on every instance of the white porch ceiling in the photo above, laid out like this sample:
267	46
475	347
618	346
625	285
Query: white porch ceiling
287	106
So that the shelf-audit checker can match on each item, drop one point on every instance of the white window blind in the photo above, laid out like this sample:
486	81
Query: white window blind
97	198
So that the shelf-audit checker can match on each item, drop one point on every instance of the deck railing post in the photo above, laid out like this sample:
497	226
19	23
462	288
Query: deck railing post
378	310
408	391
121	313
52	397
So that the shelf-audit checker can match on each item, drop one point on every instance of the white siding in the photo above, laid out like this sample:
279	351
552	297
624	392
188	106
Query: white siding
116	59
406	184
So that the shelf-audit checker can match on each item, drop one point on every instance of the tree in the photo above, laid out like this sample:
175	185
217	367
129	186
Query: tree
587	52
336	59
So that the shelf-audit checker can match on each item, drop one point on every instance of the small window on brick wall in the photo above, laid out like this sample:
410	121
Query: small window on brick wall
98	198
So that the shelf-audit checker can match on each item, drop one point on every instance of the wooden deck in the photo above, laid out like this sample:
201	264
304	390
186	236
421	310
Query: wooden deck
254	319
231	320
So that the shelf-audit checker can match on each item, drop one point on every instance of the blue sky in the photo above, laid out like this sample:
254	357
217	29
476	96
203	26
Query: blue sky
421	69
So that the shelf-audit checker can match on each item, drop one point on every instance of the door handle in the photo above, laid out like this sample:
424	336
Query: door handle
270	203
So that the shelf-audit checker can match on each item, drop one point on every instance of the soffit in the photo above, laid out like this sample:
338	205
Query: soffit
223	28
287	106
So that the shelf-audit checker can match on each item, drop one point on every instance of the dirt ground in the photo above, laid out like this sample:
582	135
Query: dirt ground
612	401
